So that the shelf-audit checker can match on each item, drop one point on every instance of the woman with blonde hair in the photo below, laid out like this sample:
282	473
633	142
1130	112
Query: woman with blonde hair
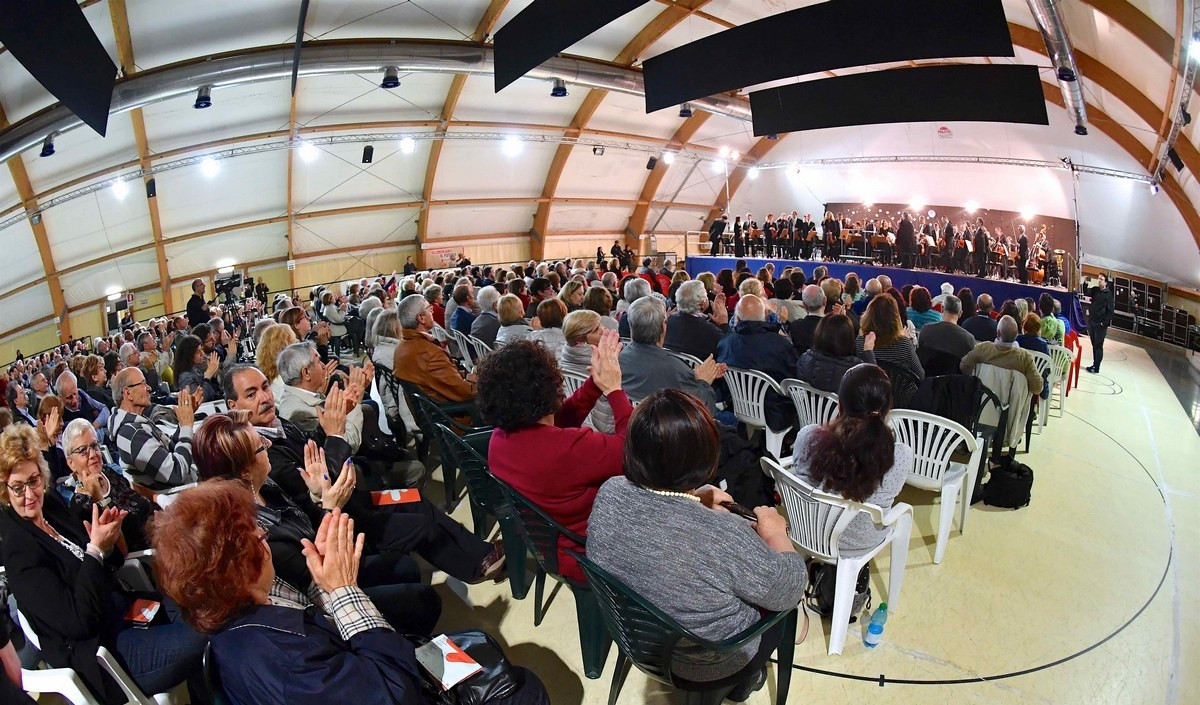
274	339
512	320
583	329
572	295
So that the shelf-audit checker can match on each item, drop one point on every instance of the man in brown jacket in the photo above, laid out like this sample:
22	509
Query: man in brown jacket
420	360
1005	353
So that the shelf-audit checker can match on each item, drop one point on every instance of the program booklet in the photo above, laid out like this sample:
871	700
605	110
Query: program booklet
449	664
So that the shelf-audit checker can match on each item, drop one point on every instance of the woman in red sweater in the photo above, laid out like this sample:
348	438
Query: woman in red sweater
538	447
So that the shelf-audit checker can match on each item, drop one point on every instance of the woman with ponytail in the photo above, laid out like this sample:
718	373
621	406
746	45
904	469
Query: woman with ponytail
856	455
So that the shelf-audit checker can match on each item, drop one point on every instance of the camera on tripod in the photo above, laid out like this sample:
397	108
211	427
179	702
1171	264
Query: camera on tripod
226	287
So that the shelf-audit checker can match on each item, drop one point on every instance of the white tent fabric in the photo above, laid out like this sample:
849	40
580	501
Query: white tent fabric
101	242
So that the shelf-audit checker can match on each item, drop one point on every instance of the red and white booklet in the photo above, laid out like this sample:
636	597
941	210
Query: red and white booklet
385	498
142	611
449	664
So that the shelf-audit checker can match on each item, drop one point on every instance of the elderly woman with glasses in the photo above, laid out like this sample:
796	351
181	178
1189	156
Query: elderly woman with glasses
267	645
97	484
60	571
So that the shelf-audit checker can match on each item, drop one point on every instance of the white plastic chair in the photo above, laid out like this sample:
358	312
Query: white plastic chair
816	521
1045	367
67	682
749	391
481	348
812	405
439	333
461	349
933	440
691	360
572	381
1061	359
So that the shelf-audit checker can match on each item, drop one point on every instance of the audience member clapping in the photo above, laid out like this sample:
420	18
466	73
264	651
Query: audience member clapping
833	353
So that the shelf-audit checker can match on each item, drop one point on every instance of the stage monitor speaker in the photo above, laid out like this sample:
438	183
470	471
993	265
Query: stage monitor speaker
967	92
54	42
545	28
1175	160
834	34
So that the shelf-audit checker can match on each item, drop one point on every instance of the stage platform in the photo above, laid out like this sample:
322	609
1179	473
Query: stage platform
999	289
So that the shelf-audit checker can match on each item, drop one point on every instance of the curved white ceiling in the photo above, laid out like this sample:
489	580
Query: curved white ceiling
1121	222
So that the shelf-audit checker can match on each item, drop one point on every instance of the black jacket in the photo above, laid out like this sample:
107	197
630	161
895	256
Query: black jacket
195	311
74	606
802	333
1101	312
693	335
825	371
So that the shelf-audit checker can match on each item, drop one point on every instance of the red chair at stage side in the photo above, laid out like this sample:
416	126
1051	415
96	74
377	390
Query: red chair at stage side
1071	341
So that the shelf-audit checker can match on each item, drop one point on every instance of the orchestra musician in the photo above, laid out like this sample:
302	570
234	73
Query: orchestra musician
793	232
715	232
889	240
739	245
752	234
1022	255
769	226
808	231
980	246
831	230
906	241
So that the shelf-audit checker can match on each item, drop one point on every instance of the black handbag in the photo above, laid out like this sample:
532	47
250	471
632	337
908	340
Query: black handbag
496	680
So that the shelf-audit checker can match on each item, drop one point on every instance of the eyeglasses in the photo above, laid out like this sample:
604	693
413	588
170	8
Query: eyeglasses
262	534
85	451
33	483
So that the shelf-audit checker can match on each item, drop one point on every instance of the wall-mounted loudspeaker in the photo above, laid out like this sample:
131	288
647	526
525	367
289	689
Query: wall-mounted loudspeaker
652	163
151	190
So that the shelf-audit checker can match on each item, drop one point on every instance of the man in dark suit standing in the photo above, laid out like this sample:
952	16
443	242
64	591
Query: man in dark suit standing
197	307
1099	317
806	226
906	241
617	253
981	248
715	231
1022	255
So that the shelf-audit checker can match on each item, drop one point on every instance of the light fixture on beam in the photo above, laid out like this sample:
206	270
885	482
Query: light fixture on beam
668	158
512	146
203	98
120	189
210	167
309	151
560	89
685	110
408	145
227	269
598	151
391	78
48	145
752	173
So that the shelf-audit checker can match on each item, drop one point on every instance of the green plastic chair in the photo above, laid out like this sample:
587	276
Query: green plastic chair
427	413
647	638
540	534
487	498
211	679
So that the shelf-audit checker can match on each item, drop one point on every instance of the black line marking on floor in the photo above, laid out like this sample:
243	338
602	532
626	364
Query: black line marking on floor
882	679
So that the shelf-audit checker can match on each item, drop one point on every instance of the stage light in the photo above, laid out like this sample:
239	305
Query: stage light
391	78
1081	130
685	110
917	204
724	152
210	167
735	155
113	291
48	145
1027	213
308	151
1194	50
868	204
225	270
114	297
718	166
598	151
668	158
408	145
203	98
560	89
120	189
512	146
752	173
972	206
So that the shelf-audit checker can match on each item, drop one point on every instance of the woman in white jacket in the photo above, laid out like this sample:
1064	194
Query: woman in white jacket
334	311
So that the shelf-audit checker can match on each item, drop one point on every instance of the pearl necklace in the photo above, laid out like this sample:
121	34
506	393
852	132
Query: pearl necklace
666	493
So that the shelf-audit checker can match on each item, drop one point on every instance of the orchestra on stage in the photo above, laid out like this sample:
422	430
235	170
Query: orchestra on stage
920	241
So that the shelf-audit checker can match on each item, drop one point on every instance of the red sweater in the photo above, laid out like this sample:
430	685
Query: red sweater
560	468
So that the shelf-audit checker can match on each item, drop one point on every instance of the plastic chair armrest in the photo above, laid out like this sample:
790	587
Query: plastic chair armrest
753	631
898	510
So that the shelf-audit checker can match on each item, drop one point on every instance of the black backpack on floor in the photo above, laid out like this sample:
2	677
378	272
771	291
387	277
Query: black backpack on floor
819	594
1009	486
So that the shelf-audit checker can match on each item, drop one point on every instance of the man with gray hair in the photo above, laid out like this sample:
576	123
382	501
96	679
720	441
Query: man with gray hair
78	405
873	287
151	457
804	330
982	325
690	329
945	337
305	380
421	361
487	324
634	290
646	367
1005	353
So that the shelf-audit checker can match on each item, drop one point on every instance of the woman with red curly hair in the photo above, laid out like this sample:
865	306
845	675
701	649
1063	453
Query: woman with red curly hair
61	572
267	647
227	447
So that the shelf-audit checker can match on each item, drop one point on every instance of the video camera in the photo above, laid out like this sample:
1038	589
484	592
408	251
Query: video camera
233	283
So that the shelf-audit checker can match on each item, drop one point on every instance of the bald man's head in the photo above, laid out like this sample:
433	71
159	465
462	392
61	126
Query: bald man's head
873	287
984	303
751	308
1007	329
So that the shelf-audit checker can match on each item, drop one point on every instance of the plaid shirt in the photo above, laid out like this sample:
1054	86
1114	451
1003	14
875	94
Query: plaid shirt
348	606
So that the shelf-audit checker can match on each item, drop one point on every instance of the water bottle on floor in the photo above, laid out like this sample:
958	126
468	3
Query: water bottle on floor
874	632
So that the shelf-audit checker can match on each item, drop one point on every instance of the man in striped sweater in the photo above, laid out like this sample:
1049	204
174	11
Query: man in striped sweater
153	458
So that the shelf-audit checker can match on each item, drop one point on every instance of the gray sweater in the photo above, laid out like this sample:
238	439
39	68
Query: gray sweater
708	570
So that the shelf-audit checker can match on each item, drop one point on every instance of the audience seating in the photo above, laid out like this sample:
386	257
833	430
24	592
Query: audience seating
812	405
1071	342
934	440
904	383
647	638
427	413
691	360
67	683
572	381
469	454
816	521
478	348
1012	391
212	679
748	389
540	535
1045	367
1061	358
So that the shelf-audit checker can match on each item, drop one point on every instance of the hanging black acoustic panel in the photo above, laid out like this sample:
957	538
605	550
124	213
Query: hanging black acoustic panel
56	45
825	36
547	27
963	93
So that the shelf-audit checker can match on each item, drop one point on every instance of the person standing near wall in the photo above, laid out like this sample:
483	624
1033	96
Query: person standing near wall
1099	317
